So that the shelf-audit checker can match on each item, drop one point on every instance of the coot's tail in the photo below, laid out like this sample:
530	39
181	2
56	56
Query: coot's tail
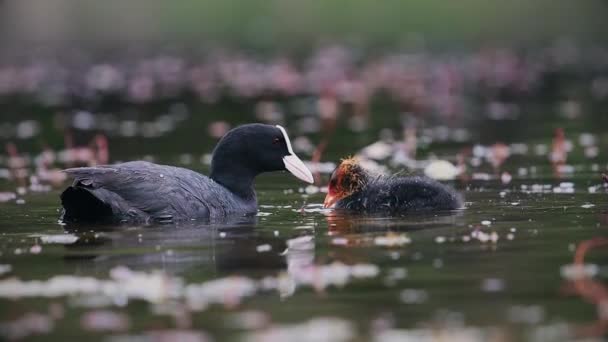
81	205
88	201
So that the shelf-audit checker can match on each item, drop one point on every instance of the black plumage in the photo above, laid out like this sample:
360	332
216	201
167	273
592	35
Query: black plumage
401	194
145	192
355	189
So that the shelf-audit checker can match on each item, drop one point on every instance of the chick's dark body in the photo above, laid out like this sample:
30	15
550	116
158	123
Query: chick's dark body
390	194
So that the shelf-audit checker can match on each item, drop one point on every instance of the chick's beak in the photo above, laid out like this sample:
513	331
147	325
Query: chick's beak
330	200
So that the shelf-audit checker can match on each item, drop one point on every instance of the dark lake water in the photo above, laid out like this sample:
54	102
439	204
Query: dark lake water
499	270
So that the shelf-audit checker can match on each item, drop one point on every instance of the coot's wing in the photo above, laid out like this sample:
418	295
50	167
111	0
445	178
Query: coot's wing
163	193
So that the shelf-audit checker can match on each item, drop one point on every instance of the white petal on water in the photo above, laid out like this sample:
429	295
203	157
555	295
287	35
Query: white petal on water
586	139
339	241
27	325
364	270
397	273
313	208
482	236
228	291
392	240
104	320
308	226
452	334
59	239
378	150
492	285
532	314
506	178
558	331
321	329
7	196
4	268
559	190
163	336
91	301
311	189
576	271
263	248
413	296
441	170
249	320
591	151
27	129
481	176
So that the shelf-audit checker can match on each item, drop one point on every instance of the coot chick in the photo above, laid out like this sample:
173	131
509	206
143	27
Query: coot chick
140	191
353	188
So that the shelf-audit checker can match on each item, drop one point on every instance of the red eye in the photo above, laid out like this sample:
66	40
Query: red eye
276	140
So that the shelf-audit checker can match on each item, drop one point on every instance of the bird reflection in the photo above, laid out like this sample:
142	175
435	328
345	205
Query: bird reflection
344	223
236	245
241	246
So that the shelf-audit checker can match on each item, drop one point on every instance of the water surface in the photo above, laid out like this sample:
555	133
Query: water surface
500	269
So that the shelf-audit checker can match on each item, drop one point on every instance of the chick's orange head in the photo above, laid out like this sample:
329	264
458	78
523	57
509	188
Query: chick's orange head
346	179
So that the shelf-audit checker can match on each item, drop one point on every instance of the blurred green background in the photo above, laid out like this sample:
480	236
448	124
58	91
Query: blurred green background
297	25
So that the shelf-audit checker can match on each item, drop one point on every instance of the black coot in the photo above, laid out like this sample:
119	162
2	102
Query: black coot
145	192
353	188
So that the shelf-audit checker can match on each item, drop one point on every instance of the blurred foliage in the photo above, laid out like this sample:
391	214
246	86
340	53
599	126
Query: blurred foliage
297	25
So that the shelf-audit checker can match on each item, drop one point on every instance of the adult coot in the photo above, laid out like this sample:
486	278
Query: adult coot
353	188
145	192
